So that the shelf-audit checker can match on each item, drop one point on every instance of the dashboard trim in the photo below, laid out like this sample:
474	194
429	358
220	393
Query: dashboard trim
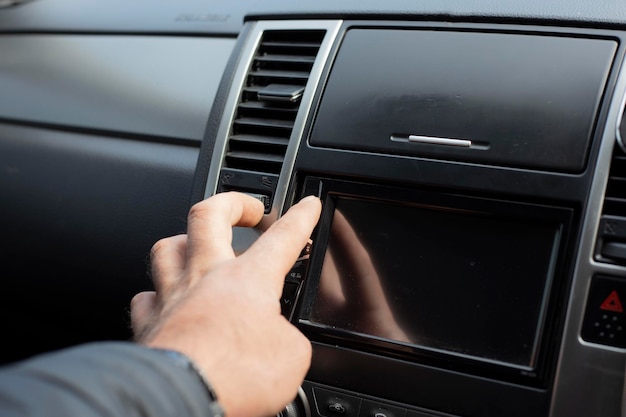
571	378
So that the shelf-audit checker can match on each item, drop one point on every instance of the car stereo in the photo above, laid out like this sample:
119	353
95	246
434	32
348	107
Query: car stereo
443	279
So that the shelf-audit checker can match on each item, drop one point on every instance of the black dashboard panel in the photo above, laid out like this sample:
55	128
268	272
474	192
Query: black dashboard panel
86	193
163	89
225	17
78	217
99	139
507	99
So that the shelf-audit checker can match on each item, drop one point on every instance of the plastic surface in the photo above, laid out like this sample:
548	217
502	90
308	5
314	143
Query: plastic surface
226	16
78	218
523	101
165	86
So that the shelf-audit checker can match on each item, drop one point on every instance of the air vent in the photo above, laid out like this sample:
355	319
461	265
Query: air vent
612	236
615	199
267	110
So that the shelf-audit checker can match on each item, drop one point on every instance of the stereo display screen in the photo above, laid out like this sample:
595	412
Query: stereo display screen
449	280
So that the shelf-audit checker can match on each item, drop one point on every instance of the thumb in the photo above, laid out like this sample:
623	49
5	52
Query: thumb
142	310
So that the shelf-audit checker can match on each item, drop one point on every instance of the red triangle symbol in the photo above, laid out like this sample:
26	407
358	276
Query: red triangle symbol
612	303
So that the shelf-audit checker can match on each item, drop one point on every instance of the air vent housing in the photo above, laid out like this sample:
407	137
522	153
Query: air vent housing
267	110
612	234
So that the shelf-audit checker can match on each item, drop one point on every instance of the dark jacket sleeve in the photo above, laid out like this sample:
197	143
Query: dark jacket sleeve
112	379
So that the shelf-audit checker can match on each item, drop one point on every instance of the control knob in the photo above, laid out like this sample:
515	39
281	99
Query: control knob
299	407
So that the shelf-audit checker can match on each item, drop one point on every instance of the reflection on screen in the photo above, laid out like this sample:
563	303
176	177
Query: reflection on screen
464	283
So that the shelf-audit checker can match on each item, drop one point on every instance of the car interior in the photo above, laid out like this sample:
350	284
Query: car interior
470	259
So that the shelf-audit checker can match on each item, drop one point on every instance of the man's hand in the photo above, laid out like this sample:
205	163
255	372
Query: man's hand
223	310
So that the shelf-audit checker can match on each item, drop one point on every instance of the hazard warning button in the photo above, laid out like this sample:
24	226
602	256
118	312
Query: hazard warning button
612	303
605	321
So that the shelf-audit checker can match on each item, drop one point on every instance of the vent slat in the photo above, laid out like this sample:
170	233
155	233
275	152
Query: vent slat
257	105
616	200
273	123
286	58
255	156
294	75
257	139
253	89
287	44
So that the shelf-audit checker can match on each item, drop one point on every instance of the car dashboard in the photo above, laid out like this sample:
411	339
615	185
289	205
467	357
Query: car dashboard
470	259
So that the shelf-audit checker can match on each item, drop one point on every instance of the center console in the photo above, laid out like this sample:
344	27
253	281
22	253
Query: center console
462	169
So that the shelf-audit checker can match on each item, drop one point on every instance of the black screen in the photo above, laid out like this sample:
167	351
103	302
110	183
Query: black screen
462	282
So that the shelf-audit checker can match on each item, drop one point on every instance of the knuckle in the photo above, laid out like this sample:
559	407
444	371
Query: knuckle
201	210
136	300
158	247
218	203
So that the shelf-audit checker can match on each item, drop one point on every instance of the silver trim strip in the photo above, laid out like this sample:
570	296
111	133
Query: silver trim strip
618	127
230	108
590	377
440	141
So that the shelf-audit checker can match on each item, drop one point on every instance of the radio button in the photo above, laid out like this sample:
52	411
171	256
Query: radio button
336	406
332	404
298	270
288	298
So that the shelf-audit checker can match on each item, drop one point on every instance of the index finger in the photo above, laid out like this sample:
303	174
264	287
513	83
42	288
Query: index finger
276	250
